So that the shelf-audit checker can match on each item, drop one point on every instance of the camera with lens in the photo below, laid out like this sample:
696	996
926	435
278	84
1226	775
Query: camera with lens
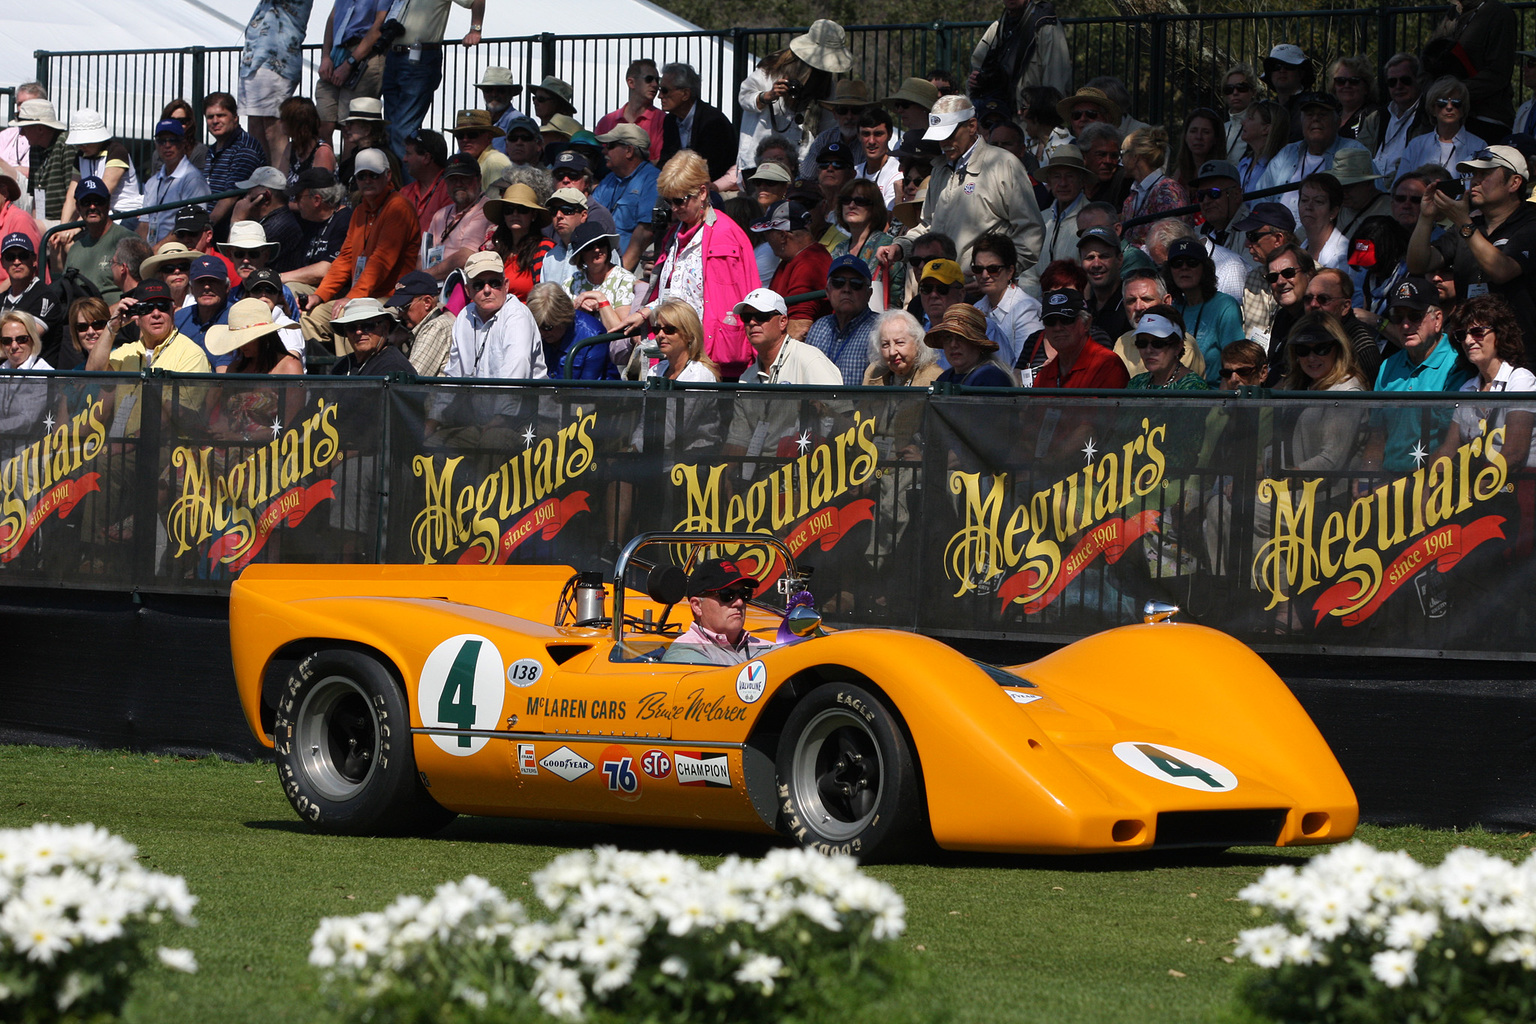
791	90
388	33
661	217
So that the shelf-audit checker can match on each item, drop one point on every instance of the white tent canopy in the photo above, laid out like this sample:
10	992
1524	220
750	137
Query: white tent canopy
131	88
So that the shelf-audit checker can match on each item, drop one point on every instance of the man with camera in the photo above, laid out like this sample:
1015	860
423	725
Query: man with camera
160	346
1025	47
1492	241
413	65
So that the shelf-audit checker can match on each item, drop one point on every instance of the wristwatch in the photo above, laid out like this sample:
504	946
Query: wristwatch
1467	229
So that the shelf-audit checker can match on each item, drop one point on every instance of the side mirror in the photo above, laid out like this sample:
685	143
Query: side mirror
802	620
1158	611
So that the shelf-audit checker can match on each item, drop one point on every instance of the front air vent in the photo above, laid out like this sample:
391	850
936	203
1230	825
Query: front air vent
1219	828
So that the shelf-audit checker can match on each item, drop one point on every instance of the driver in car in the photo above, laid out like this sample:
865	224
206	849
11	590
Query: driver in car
718	592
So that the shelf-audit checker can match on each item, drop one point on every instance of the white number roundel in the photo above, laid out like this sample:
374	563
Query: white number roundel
1180	767
461	688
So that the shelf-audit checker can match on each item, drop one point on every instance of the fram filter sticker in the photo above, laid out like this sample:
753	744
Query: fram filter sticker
751	681
525	672
525	759
620	774
1020	697
695	768
461	688
656	764
566	763
1180	767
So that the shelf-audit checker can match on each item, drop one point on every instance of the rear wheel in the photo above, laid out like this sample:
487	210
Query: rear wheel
847	777
342	734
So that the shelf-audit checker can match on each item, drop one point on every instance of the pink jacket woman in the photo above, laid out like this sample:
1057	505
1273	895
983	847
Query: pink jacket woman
730	272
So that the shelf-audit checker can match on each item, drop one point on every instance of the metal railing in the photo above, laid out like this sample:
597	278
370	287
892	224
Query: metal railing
1170	63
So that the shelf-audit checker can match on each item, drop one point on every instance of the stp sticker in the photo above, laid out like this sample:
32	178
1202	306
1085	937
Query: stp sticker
460	688
619	771
525	672
695	768
751	681
525	759
656	764
1020	697
566	763
1180	767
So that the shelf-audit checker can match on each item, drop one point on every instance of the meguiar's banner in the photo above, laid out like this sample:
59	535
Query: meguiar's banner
1355	523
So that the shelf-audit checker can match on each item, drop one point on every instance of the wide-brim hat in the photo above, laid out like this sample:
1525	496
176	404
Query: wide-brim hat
475	121
248	234
824	46
10	186
249	319
497	78
360	309
1066	158
519	194
564	124
86	126
588	235
965	321
38	112
170	252
560	90
365	108
914	147
910	211
850	92
1087	94
915	90
1352	166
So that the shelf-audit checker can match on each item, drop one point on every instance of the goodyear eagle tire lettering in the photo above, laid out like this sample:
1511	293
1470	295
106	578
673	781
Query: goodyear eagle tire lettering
343	746
847	777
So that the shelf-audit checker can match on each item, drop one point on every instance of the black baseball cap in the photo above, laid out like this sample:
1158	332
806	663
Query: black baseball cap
1062	302
716	574
266	276
191	218
462	164
1267	215
1186	249
321	177
570	160
835	153
417	282
17	240
1319	99
1415	293
153	288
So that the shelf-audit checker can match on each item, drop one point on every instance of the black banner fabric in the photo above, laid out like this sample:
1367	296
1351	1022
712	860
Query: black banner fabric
1351	523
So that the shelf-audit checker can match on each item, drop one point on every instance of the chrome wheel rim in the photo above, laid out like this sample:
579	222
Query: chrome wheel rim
837	774
338	738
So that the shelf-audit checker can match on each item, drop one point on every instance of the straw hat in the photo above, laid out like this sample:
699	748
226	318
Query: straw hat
910	211
358	310
365	108
519	194
962	320
86	125
249	319
170	252
824	47
475	121
1096	97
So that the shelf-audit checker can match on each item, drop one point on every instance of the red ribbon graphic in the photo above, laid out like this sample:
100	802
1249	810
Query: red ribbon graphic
237	550
1442	548
826	525
548	517
1110	539
62	497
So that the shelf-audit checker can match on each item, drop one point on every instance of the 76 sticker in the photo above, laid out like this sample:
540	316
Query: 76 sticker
1179	767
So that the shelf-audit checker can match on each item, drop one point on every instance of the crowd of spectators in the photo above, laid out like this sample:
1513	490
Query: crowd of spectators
1020	230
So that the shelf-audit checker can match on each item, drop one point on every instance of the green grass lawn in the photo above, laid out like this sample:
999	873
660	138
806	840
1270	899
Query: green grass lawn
1138	939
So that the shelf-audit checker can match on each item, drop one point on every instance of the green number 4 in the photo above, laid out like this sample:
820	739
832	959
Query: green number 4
1176	769
457	704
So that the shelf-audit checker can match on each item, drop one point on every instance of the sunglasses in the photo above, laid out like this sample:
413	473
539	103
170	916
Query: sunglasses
1185	263
851	284
1415	200
1341	81
569	209
1400	81
374	326
523	137
1448	101
1289	273
648	79
680	201
152	306
663	90
366	176
1148	341
827	165
92	325
669	329
1239	371
733	594
861	201
1237	87
176	268
1313	299
488	281
1209	193
92	201
987	269
1059	320
1086	114
188	235
1255	237
246	255
17	256
847	110
1476	332
265	290
902	104
933	288
1303	349
757	316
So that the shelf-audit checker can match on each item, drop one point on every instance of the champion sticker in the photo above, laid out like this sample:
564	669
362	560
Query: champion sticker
526	764
1180	767
1020	697
525	672
751	681
566	763
695	768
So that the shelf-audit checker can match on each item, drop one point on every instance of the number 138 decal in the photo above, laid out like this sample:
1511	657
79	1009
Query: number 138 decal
1180	767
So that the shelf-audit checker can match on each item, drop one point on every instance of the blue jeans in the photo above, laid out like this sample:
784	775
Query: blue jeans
408	89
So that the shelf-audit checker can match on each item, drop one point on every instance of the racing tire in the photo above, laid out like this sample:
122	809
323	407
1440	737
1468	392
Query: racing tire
847	778
343	741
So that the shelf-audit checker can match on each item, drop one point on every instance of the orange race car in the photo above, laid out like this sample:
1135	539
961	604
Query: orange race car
421	692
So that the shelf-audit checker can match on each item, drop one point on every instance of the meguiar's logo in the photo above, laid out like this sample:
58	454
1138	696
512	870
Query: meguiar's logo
37	481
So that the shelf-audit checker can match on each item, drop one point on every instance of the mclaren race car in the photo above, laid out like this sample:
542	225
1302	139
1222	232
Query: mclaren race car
396	697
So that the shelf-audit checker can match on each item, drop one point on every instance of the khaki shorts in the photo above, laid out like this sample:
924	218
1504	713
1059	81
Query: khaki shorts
264	92
332	102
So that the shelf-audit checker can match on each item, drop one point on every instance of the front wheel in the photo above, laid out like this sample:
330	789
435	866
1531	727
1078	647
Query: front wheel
847	777
343	740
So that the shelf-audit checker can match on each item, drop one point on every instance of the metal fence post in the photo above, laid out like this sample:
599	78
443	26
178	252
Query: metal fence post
739	71
1159	75
548	55
1386	36
199	56
945	42
42	66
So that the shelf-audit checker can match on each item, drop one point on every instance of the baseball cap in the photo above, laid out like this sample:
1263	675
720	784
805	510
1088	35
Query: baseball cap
416	283
17	240
1066	302
848	261
716	574
150	289
483	263
1103	236
1158	326
266	177
463	165
92	186
266	276
1287	53
835	153
763	300
370	160
322	177
1415	293
573	196
1507	157
784	216
1185	249
771	171
191	218
942	126
1270	215
523	124
171	126
915	147
944	271
588	234
629	134
1218	169
1319	99
570	161
209	266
